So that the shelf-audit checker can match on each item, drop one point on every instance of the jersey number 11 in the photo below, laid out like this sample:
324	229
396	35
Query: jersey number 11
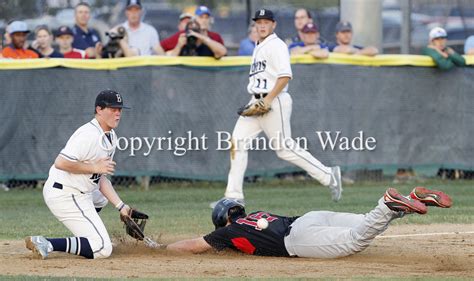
264	84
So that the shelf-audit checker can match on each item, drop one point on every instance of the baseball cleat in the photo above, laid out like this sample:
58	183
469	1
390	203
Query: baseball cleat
38	245
335	184
240	201
431	197
399	203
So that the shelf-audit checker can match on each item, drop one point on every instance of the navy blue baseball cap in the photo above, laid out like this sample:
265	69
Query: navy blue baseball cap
132	3
343	26
64	30
110	98
264	14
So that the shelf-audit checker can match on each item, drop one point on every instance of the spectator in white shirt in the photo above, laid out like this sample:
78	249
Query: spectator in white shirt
143	39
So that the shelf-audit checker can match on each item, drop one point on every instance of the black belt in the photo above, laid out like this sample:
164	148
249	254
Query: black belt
258	96
58	185
288	231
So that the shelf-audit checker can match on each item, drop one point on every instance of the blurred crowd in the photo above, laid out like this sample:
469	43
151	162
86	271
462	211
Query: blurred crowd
193	37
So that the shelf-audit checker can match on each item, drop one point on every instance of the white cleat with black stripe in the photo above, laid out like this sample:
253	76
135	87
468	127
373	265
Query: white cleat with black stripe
38	245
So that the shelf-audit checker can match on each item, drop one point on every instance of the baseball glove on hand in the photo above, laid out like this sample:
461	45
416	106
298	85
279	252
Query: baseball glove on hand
257	108
135	223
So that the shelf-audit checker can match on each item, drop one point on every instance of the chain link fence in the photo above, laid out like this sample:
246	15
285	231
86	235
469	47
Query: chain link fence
349	178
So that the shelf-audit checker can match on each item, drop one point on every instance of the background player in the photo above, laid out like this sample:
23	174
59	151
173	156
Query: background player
77	187
317	234
269	75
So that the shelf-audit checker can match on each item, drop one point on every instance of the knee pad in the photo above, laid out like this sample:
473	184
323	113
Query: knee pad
105	252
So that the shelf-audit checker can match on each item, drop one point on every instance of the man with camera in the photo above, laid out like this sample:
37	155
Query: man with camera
134	37
117	46
196	39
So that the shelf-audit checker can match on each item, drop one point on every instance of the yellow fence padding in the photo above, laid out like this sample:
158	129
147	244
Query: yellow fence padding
111	64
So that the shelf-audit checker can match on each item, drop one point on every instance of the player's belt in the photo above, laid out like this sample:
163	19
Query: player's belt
288	231
65	188
260	96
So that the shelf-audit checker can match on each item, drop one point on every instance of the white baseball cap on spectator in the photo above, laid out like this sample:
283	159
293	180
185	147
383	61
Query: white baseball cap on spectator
438	32
185	16
17	26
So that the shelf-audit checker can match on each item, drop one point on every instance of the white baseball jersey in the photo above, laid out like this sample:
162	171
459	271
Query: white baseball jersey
270	61
88	144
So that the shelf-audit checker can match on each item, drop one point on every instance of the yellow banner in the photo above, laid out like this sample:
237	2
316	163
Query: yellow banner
111	64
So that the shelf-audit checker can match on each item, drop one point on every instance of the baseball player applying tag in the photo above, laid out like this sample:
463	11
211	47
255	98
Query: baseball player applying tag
269	110
77	187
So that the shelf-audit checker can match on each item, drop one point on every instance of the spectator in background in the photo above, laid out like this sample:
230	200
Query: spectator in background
248	44
1	45
6	39
64	38
344	39
170	42
469	46
17	31
444	57
43	43
207	43
184	18
85	38
310	43
302	17
143	39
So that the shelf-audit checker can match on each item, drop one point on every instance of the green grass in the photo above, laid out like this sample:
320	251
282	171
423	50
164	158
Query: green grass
182	208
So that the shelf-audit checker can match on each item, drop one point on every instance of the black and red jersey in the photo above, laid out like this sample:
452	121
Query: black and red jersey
244	235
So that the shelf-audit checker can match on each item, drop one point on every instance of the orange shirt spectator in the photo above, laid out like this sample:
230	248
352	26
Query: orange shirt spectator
16	50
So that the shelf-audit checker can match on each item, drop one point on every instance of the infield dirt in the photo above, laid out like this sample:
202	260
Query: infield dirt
447	255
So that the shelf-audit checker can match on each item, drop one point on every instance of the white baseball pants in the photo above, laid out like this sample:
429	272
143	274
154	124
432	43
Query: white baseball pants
77	212
324	234
276	126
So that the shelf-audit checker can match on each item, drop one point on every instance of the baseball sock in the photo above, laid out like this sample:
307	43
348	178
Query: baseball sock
74	245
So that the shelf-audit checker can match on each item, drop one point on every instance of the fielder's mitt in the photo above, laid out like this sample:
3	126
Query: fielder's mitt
135	223
257	108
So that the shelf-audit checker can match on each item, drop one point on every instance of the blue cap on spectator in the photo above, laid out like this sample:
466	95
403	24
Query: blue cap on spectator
17	26
264	14
201	10
343	26
438	32
136	3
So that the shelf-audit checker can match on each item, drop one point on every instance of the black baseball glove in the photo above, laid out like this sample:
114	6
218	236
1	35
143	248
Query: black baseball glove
135	223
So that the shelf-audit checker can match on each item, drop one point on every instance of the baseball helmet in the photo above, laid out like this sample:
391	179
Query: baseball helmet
227	208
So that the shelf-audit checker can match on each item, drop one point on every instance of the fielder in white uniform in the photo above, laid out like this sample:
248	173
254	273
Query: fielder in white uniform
269	75
77	186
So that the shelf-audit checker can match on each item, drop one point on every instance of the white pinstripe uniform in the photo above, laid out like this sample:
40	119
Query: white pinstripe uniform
72	198
270	61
